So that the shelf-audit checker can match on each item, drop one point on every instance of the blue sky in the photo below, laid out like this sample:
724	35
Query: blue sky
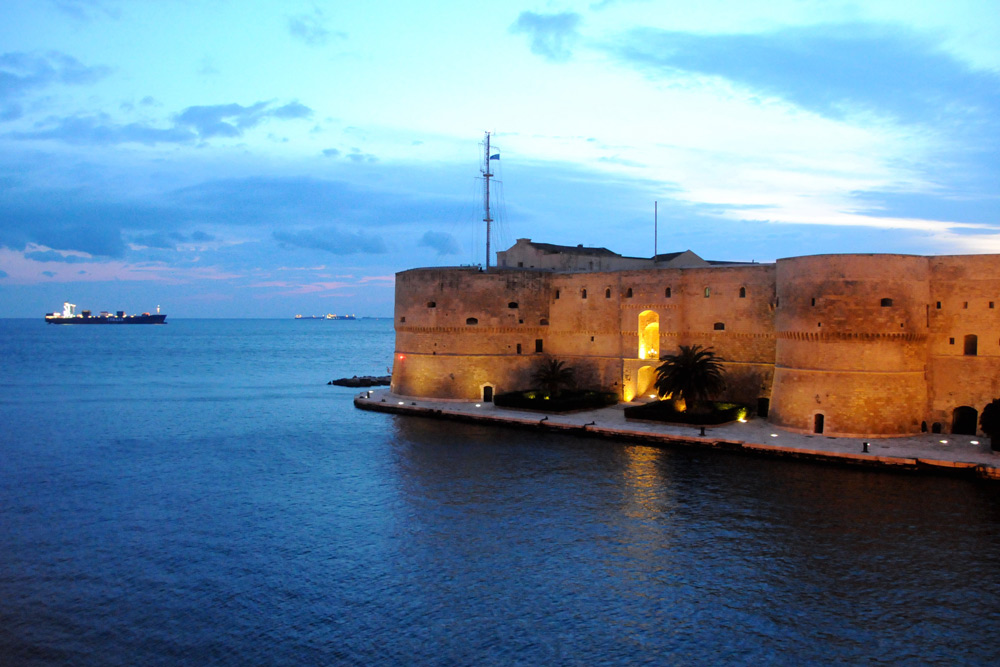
266	158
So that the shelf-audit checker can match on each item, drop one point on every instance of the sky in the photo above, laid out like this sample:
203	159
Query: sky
254	158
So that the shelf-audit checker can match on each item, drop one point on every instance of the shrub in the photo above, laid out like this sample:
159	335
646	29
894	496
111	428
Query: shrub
698	413
567	400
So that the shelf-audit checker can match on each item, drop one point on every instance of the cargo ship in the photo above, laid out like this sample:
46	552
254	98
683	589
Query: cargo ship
70	316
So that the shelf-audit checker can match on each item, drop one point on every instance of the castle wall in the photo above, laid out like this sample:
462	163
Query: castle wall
964	301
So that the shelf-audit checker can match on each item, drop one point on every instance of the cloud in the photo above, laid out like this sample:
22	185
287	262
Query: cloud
551	35
311	28
192	124
50	274
22	72
333	241
443	243
53	256
86	10
330	152
3	274
833	70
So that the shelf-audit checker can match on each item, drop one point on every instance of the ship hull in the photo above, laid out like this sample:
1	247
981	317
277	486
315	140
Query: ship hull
128	319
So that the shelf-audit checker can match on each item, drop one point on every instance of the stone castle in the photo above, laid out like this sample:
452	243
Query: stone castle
845	345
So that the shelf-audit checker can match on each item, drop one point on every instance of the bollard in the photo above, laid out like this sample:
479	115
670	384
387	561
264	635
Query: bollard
865	447
702	431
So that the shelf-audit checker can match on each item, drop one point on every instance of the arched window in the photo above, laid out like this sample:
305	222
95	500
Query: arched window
971	345
628	293
649	335
557	294
583	294
607	293
720	326
471	320
512	304
818	423
886	302
743	292
666	293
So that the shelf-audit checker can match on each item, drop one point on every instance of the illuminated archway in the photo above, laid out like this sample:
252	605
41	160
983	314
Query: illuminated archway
644	383
649	335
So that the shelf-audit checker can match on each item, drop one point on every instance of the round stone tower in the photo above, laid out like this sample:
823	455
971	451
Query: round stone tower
851	352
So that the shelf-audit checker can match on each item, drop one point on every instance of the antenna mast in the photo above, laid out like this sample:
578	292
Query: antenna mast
655	231
486	197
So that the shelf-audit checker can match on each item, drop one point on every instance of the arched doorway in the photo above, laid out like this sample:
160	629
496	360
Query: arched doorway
644	383
487	394
649	335
964	420
818	423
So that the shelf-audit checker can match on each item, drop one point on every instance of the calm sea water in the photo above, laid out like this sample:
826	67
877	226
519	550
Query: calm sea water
196	494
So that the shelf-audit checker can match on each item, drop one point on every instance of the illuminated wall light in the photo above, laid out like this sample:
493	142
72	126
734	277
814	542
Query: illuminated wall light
478	405
774	435
943	442
975	442
401	403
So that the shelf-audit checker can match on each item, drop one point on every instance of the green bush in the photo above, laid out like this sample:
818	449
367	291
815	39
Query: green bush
566	401
698	413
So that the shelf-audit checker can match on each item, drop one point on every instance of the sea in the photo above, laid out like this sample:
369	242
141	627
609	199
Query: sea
196	494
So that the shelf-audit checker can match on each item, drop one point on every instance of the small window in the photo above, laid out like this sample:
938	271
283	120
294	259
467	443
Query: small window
403	318
519	348
938	305
538	345
591	339
432	304
813	302
583	294
743	292
628	293
965	305
666	293
720	326
520	265
512	304
951	341
708	292
471	320
557	294
543	322
991	304
886	302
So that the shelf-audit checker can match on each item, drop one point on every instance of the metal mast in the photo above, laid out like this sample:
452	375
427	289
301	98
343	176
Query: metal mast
486	197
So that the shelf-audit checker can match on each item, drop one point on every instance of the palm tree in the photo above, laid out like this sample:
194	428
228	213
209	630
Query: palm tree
989	421
554	376
695	373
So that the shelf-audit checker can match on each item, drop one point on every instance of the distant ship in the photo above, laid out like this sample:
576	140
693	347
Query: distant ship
70	316
328	316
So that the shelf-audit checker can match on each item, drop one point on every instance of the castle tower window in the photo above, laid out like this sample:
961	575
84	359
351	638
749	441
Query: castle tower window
951	341
512	304
708	292
583	294
666	293
607	293
813	302
971	345
886	302
471	321
557	294
939	305
519	348
743	292
543	322
538	345
719	326
991	304
628	293
520	265
432	304
965	305
402	318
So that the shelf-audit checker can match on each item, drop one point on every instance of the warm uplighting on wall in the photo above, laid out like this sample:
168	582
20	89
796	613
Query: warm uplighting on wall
402	357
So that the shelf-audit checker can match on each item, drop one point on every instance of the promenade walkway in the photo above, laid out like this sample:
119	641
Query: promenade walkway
942	453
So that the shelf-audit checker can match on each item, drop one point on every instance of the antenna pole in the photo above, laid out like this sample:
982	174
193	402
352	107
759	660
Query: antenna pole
655	231
486	197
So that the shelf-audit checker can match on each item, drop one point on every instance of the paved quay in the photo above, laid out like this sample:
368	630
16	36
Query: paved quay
940	453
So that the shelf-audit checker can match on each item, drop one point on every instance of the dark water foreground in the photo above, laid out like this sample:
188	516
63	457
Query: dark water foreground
197	494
